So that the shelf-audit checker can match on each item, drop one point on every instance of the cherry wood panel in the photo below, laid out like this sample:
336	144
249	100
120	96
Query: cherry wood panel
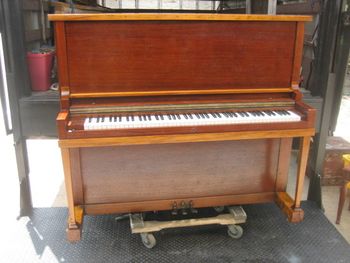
174	16
158	205
175	56
156	172
180	138
182	99
62	64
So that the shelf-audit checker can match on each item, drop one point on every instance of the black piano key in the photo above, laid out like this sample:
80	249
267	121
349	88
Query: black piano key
213	114
206	115
157	118
144	117
178	116
161	117
132	118
90	119
234	114
241	114
120	118
197	115
127	118
140	118
287	113
202	115
149	117
186	117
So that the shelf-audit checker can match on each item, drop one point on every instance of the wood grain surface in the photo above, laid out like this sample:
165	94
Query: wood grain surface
174	16
172	171
163	57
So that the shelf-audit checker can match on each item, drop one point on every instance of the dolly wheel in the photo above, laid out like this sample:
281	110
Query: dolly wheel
148	240
235	231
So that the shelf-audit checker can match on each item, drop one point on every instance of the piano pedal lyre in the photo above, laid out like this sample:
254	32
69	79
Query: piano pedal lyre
145	228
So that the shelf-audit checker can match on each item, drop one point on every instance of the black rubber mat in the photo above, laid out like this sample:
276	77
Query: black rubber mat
267	237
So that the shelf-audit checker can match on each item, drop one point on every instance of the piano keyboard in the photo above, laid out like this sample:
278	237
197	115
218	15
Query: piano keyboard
188	119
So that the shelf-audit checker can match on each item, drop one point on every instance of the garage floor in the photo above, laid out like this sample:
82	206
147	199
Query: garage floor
267	237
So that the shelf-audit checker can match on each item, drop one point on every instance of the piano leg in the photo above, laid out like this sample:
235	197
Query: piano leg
289	206
76	213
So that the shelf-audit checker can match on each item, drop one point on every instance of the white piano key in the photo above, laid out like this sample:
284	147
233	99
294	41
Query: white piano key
189	119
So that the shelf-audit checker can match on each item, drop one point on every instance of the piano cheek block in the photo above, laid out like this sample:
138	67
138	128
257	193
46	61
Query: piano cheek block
204	122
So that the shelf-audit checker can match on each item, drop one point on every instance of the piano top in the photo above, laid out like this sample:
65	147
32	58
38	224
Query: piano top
175	17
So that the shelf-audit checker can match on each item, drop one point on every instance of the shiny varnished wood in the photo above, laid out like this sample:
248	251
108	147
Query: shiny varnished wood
176	17
182	57
135	63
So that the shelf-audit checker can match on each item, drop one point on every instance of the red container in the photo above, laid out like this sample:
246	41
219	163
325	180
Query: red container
39	66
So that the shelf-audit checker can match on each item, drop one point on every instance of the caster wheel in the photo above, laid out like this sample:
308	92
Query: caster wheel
148	240
235	231
219	209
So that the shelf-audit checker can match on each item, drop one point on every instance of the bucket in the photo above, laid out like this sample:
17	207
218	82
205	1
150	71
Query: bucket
39	65
346	159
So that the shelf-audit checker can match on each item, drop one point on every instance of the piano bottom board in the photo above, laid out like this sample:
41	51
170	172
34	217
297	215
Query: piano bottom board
151	173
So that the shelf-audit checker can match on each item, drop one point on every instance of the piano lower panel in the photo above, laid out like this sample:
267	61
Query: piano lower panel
158	205
142	173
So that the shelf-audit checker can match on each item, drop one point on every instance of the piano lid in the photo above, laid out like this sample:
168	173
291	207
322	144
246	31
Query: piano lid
175	16
109	55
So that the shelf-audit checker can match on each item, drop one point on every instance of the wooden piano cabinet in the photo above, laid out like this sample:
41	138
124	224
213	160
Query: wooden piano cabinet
143	61
123	179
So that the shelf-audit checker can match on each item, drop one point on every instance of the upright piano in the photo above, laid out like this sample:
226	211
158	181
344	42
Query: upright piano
170	111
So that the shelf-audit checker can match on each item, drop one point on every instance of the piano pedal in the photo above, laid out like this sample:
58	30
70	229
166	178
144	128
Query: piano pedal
174	210
192	209
184	208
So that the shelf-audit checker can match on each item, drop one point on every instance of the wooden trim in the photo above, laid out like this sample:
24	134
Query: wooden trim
158	205
174	16
177	92
285	202
182	138
66	159
62	121
62	64
77	179
283	164
298	53
303	156
74	233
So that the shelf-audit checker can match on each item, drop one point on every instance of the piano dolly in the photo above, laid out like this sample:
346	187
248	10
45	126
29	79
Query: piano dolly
145	228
